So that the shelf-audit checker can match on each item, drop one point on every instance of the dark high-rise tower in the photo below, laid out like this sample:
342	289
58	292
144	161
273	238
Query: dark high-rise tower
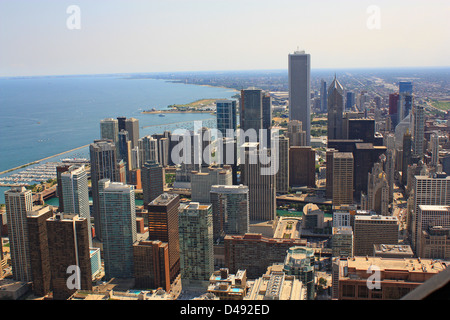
152	177
335	110
251	110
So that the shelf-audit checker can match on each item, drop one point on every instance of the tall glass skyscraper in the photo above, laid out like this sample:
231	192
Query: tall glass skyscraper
75	190
226	116
118	220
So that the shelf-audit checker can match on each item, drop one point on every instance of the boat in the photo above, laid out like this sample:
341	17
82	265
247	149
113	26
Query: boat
162	115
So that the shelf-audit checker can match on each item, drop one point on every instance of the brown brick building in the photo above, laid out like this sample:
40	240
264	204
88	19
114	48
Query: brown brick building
376	278
39	252
302	167
254	253
151	265
68	243
163	226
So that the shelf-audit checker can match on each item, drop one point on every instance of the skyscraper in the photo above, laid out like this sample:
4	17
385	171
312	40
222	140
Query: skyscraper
103	166
304	174
196	243
132	126
201	182
163	226
431	190
419	129
282	176
68	245
251	111
262	186
434	149
226	116
18	202
153	180
295	133
335	110
350	101
75	190
342	178
299	90
39	252
323	96
109	130
148	149
230	210
118	220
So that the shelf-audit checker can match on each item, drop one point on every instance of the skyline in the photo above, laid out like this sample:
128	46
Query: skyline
185	36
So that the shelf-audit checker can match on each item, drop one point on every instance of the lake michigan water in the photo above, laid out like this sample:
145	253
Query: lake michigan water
44	116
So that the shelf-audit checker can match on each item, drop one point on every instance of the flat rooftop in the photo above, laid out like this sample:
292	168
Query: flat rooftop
394	264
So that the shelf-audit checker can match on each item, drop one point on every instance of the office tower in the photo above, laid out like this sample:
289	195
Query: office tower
121	123
430	216
163	226
329	172
377	198
406	156
103	166
118	220
299	262
148	149
227	155
343	170
123	145
335	110
226	116
299	66
18	202
135	159
393	109
187	154
304	174
206	147
251	112
434	141
151	265
435	243
363	129
132	126
282	176
313	217
342	241
295	133
267	116
371	230
68	245
230	210
365	155
261	182
75	191
350	101
405	89
254	253
418	133
342	216
323	96
153	180
109	130
201	182
196	243
397	277
39	252
59	171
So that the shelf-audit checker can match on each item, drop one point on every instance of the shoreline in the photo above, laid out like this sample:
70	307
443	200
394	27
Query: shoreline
43	159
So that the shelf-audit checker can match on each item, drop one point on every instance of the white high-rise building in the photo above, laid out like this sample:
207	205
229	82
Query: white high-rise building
432	190
18	201
75	189
300	90
419	130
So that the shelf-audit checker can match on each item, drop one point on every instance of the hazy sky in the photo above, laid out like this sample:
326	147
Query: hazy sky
120	36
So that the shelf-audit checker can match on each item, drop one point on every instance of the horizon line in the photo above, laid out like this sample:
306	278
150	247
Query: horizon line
224	71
